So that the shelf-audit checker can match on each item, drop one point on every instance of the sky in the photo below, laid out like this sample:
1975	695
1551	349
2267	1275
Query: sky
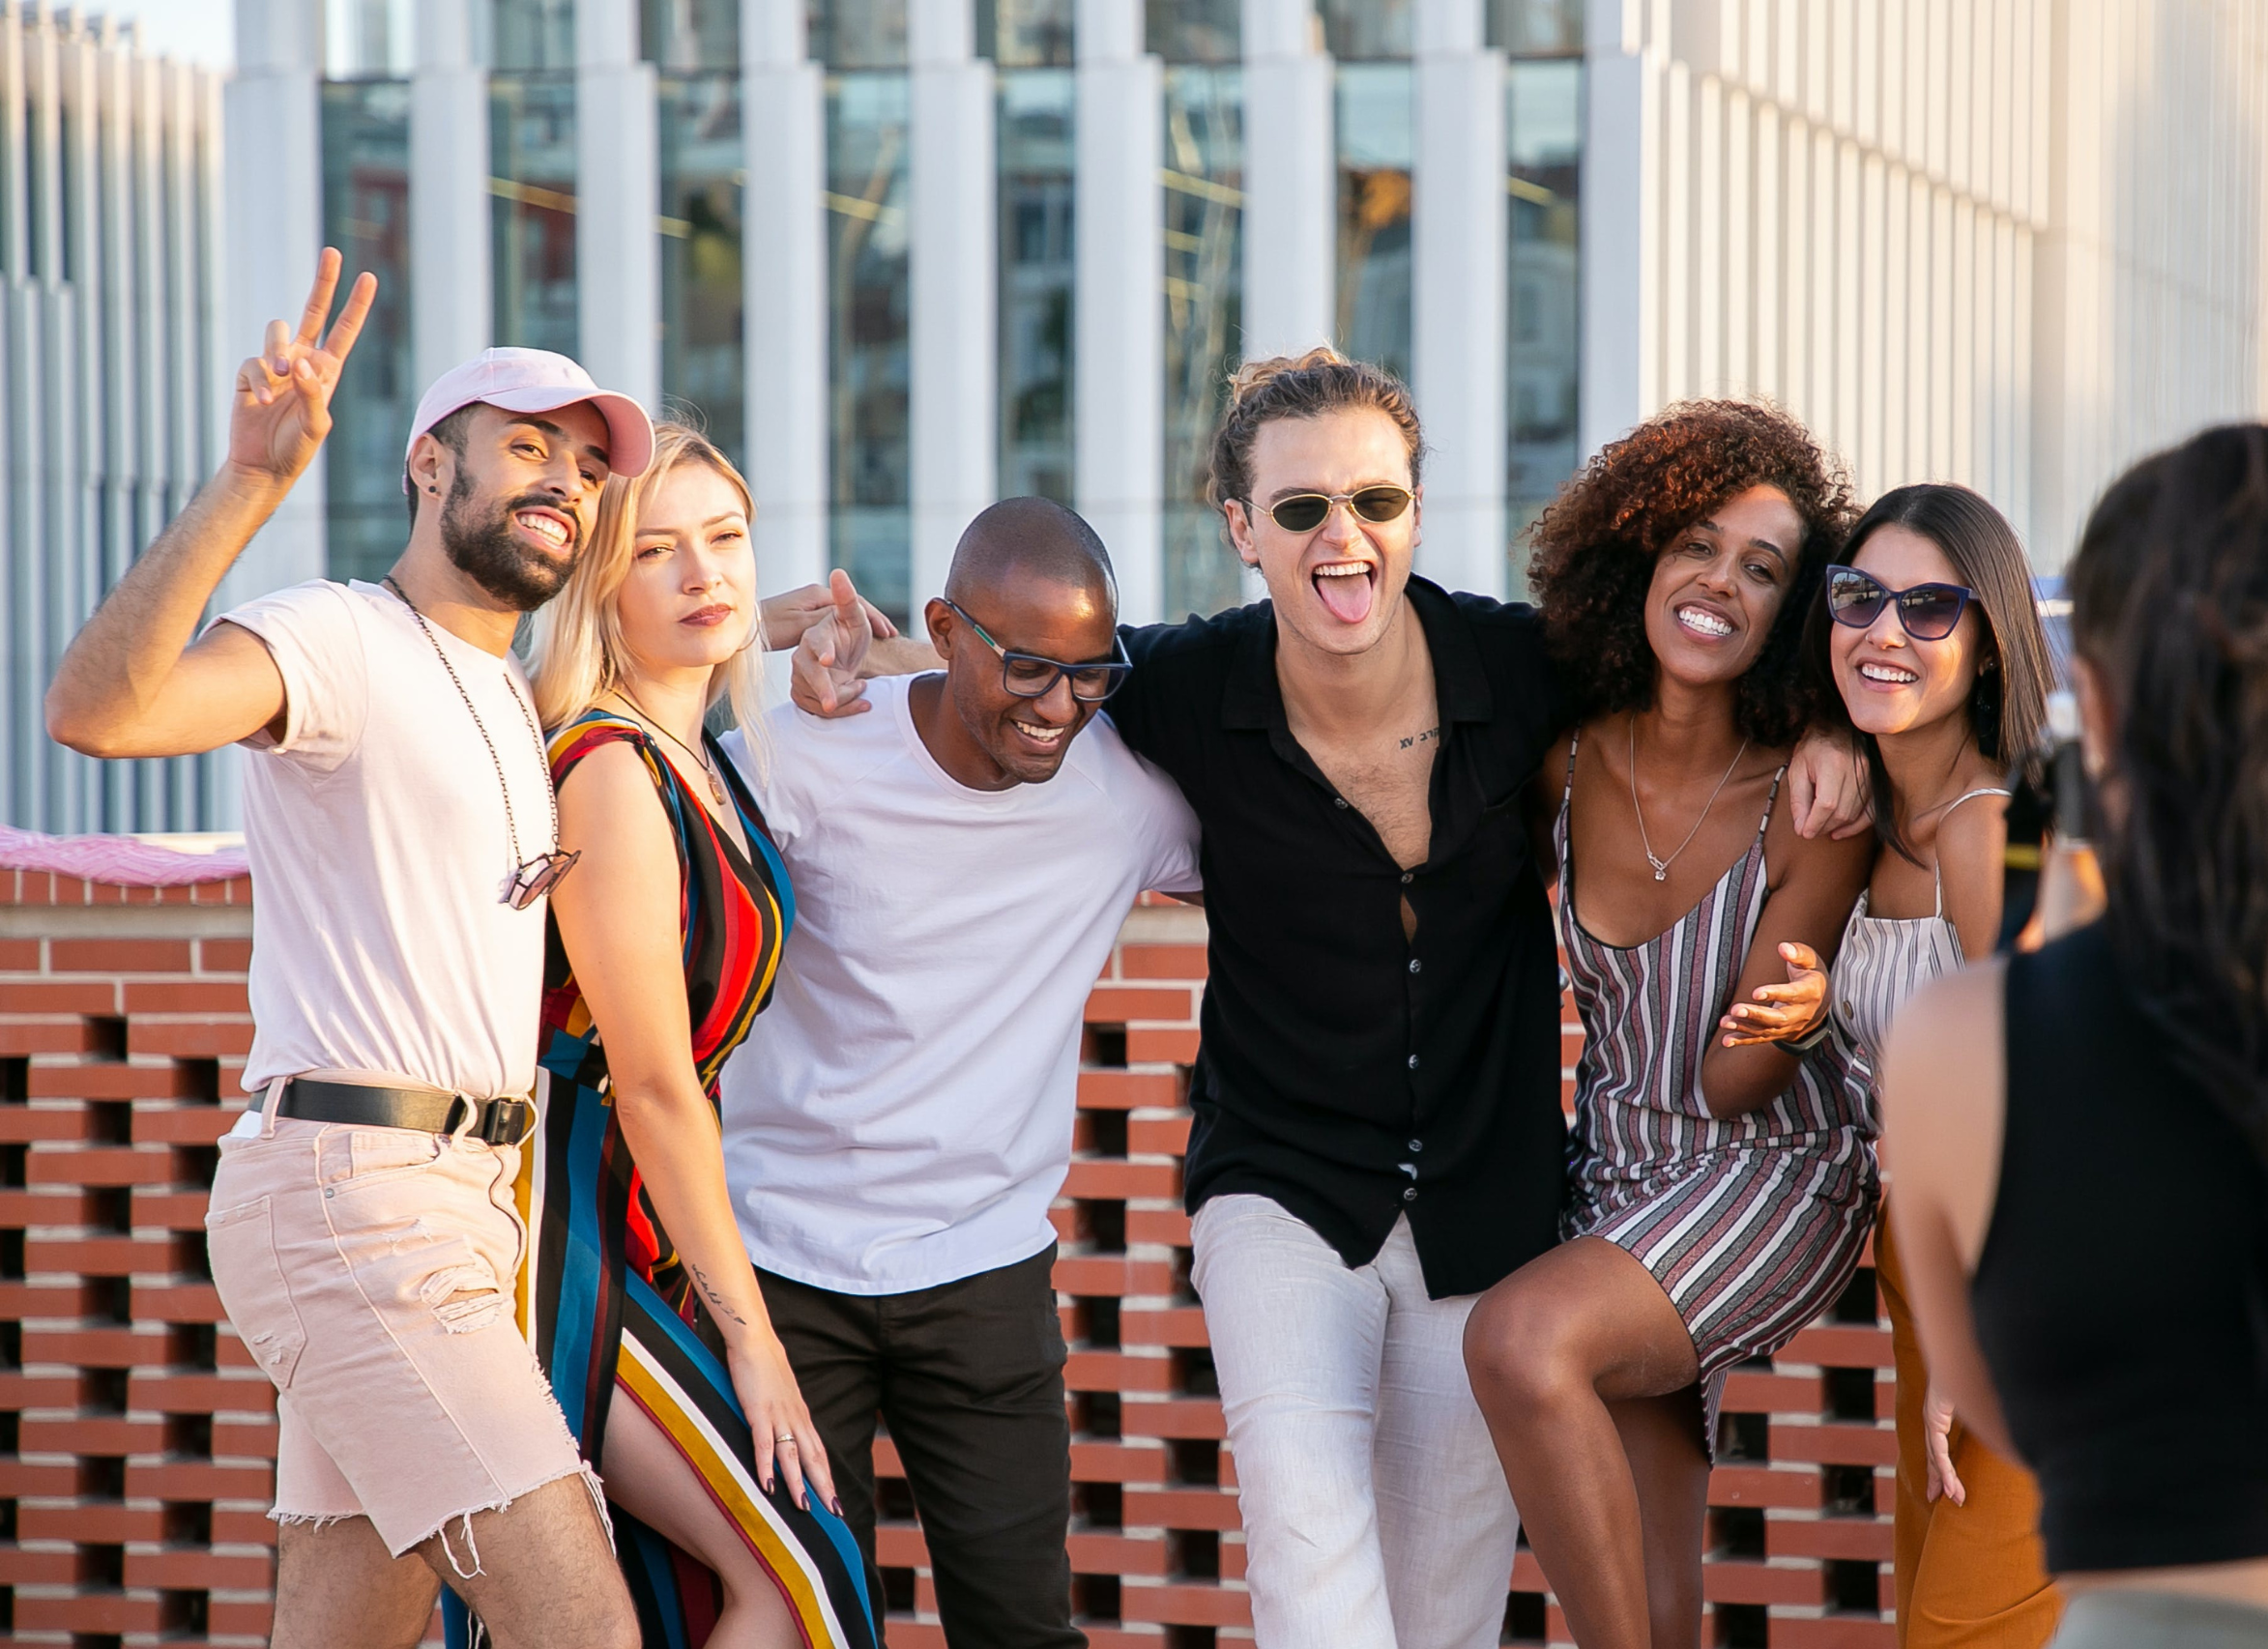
197	30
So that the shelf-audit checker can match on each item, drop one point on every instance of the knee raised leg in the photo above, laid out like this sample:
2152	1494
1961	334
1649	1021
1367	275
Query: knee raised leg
1519	1349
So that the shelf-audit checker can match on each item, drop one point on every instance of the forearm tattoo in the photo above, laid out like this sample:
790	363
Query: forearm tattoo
718	1306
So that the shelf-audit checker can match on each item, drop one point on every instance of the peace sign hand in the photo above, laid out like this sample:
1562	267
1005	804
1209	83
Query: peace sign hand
283	404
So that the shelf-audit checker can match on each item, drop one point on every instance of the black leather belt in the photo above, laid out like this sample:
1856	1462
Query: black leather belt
498	1122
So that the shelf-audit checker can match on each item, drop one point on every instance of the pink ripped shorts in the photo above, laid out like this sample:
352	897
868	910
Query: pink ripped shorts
370	1272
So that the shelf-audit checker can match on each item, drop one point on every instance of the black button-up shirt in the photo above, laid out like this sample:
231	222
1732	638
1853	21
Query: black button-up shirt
1349	1073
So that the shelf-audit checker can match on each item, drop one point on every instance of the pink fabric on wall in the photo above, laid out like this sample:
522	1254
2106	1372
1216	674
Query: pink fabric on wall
121	860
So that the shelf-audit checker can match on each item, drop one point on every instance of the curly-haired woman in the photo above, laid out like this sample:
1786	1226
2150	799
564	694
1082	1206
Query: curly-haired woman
1718	1193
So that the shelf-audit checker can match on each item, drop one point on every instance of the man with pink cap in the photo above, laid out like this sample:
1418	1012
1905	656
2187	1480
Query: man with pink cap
399	819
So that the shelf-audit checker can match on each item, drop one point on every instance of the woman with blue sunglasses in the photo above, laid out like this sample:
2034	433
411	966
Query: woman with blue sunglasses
1928	632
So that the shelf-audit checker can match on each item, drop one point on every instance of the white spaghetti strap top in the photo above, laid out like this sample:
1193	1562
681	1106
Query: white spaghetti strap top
1884	960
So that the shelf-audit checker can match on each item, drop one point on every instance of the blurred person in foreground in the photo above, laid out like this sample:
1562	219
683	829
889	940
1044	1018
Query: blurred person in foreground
2082	1132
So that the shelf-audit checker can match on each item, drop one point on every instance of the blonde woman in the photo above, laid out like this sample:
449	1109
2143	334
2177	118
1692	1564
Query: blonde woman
641	1304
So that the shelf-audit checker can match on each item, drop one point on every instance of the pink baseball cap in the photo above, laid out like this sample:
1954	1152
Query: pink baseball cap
533	380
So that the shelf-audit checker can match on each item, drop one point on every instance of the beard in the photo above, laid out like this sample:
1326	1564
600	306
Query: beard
484	548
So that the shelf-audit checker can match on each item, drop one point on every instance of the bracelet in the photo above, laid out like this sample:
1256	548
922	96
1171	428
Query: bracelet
1812	1037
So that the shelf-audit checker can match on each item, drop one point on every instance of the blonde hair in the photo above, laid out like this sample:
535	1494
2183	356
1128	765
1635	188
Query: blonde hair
578	650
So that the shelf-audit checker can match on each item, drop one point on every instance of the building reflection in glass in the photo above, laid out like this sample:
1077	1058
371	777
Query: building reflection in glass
1543	124
701	298
366	217
869	297
1036	276
532	174
1203	179
1374	141
1362	31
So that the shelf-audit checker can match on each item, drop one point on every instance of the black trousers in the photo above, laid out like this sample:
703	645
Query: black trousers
968	1377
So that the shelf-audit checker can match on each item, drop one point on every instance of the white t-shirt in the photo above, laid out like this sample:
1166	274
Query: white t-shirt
379	853
901	1115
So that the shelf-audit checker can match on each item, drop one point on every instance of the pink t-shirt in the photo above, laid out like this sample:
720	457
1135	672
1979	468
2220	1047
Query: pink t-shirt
379	851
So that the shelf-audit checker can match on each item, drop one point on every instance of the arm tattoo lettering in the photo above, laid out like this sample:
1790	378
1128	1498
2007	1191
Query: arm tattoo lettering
716	1300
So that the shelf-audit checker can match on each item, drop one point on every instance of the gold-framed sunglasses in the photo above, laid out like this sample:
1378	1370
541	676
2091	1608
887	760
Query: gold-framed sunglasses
1305	511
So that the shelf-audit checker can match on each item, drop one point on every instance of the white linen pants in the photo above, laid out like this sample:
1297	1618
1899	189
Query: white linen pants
1375	1516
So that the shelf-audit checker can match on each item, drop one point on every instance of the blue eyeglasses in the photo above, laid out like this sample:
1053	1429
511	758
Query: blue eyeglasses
1028	675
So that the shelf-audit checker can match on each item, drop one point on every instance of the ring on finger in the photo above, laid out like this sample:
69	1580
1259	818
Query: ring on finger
786	1440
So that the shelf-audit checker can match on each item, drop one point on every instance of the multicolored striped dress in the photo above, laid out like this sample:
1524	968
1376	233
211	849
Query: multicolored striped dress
604	1298
1752	1223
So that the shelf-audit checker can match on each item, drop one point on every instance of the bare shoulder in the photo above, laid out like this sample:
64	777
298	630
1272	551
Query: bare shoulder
1821	858
609	793
1977	828
1970	849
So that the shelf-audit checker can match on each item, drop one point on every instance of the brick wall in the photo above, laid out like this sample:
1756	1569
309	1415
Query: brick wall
137	1439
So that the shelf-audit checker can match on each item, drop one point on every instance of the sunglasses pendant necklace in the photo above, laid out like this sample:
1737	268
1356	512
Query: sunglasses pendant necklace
1662	866
531	878
717	790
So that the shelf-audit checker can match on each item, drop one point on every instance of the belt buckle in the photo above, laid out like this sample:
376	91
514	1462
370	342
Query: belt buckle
508	1121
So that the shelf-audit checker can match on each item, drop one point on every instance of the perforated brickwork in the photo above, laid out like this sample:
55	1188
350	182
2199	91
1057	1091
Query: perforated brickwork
137	1440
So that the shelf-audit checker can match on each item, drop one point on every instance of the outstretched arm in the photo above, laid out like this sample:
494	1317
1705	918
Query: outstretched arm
1945	1109
843	648
617	918
130	683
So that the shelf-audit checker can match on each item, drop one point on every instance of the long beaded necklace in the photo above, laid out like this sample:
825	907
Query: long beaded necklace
1662	866
531	878
717	790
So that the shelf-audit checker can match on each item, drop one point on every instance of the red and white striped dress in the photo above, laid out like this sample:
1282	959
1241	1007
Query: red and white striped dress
1752	1223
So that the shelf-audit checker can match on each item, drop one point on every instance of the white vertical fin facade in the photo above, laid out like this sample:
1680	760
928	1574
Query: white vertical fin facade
111	341
2014	244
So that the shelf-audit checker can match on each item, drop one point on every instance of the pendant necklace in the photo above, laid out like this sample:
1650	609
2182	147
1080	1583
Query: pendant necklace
1662	865
531	878
717	790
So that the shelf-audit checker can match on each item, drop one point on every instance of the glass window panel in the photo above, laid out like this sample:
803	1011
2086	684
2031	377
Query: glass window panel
532	183
1543	123
1193	31
701	302
1536	28
1374	143
1203	177
1036	282
366	37
1025	34
859	34
683	35
1359	31
532	35
366	217
868	363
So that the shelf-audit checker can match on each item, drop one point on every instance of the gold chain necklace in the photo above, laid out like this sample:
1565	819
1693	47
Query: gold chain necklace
1662	866
717	790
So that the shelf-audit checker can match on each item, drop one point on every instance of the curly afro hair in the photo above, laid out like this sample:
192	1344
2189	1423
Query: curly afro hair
1596	544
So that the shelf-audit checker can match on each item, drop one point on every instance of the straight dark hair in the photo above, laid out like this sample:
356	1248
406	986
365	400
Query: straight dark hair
2169	610
2008	705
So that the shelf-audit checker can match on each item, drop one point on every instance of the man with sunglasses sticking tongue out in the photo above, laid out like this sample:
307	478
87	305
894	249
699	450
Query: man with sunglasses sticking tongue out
398	816
898	1122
